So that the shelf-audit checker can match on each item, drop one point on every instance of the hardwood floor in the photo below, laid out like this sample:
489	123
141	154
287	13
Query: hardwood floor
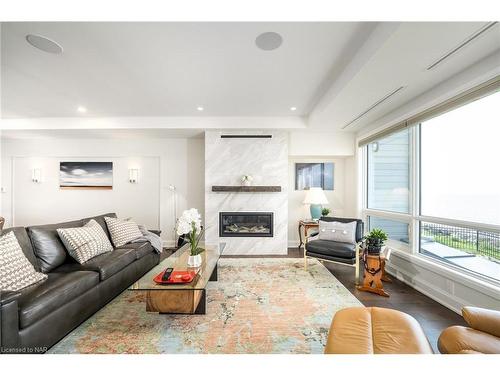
432	316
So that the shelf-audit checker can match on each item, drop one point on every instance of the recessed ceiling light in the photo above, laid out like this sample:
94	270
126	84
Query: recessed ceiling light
269	41
81	109
200	108
293	108
43	43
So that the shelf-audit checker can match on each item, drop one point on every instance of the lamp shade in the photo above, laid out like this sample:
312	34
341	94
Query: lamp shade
315	195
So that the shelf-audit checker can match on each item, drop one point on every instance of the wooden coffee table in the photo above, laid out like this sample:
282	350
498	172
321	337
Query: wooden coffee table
187	298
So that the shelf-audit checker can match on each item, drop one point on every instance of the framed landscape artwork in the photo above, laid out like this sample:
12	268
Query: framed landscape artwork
86	175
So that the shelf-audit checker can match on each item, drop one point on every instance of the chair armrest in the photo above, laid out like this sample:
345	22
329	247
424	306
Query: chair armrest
312	237
484	320
8	296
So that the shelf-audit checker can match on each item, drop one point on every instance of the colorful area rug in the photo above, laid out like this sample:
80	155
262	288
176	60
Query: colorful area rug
259	305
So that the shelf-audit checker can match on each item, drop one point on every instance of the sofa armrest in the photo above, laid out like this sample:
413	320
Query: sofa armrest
484	320
9	320
8	296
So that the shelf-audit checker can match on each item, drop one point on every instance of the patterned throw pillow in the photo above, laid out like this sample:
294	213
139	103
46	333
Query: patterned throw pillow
337	231
84	243
16	271
122	231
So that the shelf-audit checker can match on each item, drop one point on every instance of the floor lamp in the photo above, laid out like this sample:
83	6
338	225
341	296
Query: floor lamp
173	189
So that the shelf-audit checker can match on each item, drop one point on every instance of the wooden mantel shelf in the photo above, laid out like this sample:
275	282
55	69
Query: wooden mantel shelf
246	189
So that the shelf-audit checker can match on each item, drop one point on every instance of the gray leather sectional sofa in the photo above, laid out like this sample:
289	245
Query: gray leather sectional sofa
35	318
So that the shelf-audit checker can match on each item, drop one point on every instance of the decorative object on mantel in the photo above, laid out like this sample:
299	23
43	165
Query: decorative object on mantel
325	211
246	180
189	224
315	197
246	189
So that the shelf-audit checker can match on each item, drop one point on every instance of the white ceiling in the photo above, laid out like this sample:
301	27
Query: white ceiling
101	133
169	69
331	72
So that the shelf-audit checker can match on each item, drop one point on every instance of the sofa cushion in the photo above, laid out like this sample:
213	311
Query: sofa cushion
16	271
122	231
40	300
47	245
85	243
140	248
332	248
25	243
106	264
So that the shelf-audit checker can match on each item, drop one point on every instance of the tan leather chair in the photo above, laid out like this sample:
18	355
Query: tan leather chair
482	335
375	330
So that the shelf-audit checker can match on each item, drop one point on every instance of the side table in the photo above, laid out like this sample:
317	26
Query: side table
374	273
307	225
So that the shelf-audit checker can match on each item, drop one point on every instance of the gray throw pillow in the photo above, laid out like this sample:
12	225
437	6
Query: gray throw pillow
16	271
85	243
337	231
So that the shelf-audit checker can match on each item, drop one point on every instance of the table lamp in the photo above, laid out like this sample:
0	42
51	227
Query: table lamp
315	197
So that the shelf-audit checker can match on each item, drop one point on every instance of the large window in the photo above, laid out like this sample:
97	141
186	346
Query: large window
434	185
389	173
460	184
460	163
396	230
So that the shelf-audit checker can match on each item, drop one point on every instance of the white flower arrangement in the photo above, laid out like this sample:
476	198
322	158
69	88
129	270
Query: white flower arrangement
190	224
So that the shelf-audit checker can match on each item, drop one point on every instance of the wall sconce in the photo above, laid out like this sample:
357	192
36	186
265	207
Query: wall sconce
133	176
36	175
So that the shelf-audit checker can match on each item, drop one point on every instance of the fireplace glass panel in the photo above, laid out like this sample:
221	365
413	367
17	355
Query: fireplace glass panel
245	224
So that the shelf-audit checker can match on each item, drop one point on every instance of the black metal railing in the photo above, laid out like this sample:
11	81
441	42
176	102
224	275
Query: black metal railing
469	240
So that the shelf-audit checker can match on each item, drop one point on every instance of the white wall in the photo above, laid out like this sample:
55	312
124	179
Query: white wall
341	198
314	146
321	143
161	162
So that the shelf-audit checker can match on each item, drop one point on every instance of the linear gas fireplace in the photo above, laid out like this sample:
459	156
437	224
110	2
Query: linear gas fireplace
245	224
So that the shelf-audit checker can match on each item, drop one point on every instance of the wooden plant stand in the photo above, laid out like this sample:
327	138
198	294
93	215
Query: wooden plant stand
374	274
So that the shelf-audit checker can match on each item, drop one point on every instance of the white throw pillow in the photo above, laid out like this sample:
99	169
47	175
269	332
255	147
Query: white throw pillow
337	231
122	231
16	271
85	243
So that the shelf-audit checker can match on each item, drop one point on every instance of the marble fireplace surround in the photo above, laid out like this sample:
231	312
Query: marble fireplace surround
266	160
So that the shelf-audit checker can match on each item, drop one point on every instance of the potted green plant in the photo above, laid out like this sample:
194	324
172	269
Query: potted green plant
325	211
375	240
